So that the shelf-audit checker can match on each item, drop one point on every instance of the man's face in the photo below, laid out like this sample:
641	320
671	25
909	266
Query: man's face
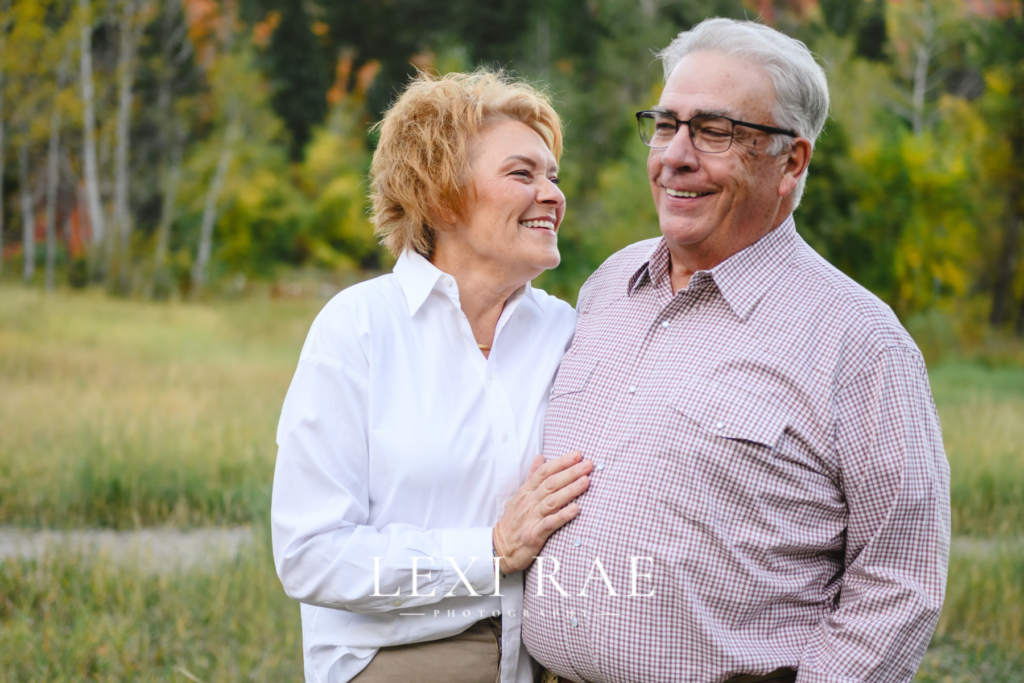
737	192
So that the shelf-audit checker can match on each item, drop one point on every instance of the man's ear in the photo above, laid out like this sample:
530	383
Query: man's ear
796	165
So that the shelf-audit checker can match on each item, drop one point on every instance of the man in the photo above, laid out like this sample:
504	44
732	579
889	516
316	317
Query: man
770	495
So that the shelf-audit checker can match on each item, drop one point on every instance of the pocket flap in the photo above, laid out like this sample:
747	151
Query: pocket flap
573	375
741	416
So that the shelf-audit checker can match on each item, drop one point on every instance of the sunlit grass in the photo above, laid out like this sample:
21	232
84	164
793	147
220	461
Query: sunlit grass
982	415
117	413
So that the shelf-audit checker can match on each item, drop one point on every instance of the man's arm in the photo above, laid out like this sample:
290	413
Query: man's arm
896	480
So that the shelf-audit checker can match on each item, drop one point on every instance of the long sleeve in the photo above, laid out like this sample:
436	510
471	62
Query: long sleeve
324	545
896	482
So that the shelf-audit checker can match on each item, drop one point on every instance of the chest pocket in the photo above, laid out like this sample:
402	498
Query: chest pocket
737	415
573	376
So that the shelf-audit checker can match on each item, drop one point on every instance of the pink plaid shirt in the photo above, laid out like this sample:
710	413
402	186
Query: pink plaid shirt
770	487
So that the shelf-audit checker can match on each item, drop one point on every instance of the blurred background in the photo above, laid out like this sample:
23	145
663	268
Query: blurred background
182	187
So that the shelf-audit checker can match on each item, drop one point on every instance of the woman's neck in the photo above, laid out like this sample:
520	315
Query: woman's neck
483	291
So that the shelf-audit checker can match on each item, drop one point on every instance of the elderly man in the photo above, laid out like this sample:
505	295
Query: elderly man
770	495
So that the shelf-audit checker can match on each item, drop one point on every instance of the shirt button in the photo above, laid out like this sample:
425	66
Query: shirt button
574	622
664	323
631	389
504	437
577	542
396	603
719	425
600	465
448	281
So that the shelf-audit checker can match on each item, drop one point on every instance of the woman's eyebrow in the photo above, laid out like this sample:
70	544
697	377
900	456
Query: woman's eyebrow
529	161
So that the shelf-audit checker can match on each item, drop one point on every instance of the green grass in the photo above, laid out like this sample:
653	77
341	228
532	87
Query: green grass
65	619
982	415
118	413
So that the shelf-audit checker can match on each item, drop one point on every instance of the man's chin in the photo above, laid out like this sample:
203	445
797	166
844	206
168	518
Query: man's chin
685	233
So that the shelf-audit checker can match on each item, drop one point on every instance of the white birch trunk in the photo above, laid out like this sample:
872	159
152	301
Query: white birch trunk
92	180
28	219
199	273
924	55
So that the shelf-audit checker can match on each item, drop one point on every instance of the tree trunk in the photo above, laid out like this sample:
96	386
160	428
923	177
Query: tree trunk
52	181
28	219
92	179
1006	270
163	238
924	54
199	273
125	78
171	142
3	51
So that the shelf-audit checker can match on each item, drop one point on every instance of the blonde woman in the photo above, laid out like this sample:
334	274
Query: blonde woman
407	443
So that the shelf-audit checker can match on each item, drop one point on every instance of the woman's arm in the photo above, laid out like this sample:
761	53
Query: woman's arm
325	552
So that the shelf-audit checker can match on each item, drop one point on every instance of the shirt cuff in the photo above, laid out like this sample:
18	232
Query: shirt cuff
471	551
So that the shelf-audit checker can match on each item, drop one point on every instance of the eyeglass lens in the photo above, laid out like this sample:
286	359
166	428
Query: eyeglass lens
709	133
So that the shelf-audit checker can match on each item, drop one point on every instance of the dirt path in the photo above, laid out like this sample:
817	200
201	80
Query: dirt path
159	550
163	550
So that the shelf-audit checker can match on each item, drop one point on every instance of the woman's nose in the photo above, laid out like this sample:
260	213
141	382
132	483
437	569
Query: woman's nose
550	194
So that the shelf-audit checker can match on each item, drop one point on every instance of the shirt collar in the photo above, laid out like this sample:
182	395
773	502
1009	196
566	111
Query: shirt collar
418	277
743	278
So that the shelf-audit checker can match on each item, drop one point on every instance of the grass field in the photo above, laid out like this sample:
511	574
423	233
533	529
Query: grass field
125	414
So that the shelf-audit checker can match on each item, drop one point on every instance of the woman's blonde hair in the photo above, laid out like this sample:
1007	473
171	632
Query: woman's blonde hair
420	169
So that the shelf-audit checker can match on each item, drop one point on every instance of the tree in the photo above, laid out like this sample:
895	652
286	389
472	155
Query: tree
97	221
133	17
4	26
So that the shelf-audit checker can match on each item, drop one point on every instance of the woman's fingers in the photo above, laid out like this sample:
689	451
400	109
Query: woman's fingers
563	496
537	463
553	523
554	466
564	478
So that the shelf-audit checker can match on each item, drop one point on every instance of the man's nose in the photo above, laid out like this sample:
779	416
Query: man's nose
680	153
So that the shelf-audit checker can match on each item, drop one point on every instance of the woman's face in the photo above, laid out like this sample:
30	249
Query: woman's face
514	206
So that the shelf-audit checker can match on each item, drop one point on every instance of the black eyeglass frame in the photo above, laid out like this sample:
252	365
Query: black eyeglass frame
648	114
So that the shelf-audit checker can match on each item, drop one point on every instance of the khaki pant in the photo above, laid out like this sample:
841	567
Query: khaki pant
473	656
777	676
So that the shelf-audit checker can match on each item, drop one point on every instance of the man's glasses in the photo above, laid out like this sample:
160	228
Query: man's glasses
710	134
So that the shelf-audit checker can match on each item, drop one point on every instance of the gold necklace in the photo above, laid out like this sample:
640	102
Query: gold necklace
484	347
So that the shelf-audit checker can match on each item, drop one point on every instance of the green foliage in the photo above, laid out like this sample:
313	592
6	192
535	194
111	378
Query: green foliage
298	73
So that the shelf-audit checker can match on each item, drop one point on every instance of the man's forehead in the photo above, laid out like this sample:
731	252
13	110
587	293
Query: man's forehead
711	83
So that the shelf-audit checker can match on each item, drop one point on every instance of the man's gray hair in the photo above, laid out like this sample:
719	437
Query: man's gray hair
801	89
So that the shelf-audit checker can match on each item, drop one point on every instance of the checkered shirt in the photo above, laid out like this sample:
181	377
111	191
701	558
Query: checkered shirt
766	447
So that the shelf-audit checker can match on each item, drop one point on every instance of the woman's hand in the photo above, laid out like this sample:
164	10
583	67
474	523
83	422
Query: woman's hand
538	508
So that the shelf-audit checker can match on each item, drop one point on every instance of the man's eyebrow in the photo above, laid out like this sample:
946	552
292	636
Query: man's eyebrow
529	161
696	112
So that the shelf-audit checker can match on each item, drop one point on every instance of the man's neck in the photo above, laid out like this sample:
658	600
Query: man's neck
687	259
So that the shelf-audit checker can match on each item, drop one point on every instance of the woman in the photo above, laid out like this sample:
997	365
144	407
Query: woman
409	428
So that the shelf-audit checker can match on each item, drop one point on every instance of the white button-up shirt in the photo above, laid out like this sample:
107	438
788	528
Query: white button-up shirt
398	445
